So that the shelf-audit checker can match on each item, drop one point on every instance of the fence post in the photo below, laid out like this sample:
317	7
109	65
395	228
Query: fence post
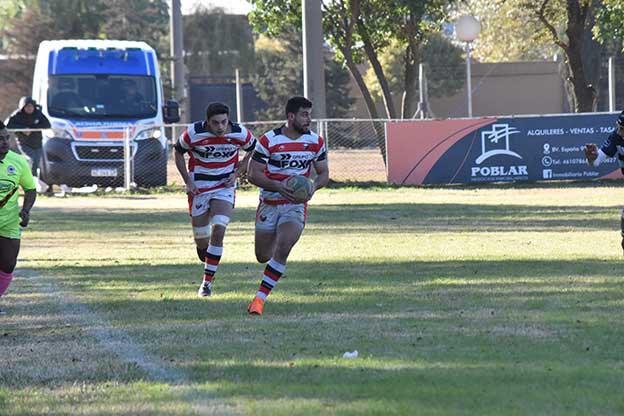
128	179
611	84
326	133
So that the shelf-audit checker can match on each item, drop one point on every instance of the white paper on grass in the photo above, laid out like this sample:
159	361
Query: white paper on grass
350	355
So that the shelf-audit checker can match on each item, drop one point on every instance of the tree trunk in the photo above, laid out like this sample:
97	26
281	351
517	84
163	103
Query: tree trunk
359	80
583	91
411	97
380	135
379	72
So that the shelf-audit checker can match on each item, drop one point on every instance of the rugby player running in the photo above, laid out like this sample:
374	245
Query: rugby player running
213	166
286	151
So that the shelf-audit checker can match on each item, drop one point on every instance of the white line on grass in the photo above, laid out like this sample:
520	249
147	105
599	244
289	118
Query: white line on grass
121	344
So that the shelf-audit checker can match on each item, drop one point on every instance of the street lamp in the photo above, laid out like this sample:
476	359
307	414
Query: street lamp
467	29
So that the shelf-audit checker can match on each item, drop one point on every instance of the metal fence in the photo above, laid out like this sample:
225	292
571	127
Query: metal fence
355	147
122	157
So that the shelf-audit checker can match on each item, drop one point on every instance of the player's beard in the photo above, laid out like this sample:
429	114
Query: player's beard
299	128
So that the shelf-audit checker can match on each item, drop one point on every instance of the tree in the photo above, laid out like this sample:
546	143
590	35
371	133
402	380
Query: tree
36	20
609	30
411	22
610	22
366	28
509	32
579	23
444	68
279	76
216	43
529	29
9	10
146	20
359	31
23	34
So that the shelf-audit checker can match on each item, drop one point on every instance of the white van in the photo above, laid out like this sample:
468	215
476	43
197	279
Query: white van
90	90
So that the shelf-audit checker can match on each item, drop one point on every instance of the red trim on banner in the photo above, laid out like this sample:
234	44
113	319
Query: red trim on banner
414	147
616	174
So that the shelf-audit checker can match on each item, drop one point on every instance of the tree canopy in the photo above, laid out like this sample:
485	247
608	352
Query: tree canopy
279	76
582	31
210	34
31	21
359	32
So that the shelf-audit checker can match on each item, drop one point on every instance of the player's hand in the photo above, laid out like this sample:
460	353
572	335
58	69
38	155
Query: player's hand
308	197
191	188
25	216
231	180
591	153
287	192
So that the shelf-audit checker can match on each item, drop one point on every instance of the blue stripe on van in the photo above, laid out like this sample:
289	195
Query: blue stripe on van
100	61
51	63
151	63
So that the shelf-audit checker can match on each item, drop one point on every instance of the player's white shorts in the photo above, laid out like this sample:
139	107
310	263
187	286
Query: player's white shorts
200	204
269	216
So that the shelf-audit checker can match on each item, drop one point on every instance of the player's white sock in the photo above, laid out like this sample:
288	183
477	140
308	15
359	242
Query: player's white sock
213	257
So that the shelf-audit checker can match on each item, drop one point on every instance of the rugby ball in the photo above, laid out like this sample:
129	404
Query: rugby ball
301	186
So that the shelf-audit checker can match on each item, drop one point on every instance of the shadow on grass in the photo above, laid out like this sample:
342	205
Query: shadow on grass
361	218
167	292
431	334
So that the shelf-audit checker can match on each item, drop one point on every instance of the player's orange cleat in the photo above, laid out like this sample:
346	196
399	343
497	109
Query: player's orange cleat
256	306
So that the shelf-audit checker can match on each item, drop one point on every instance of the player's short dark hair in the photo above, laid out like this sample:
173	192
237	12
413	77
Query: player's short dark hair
216	108
295	103
620	120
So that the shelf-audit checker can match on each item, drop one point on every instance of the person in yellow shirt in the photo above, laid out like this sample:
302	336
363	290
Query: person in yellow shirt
14	173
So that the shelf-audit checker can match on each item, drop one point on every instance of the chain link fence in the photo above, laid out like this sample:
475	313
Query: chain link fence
115	156
127	156
355	147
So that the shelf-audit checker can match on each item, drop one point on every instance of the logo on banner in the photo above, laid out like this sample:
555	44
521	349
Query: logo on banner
546	148
496	142
547	161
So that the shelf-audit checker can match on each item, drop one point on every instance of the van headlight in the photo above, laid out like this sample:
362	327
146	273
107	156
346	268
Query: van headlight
58	133
149	134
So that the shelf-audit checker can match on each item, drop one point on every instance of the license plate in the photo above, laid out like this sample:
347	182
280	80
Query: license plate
112	172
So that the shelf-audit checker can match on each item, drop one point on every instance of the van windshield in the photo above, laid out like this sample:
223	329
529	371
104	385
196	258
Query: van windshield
102	96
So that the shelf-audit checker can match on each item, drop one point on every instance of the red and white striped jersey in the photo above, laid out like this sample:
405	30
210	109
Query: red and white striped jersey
285	157
212	158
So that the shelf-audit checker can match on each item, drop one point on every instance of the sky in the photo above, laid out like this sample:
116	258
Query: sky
230	6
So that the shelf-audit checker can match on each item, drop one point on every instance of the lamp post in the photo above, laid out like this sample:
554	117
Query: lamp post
467	29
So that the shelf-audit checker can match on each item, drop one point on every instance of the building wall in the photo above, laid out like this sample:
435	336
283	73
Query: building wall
498	89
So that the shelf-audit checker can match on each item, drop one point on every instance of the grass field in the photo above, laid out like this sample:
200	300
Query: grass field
460	301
